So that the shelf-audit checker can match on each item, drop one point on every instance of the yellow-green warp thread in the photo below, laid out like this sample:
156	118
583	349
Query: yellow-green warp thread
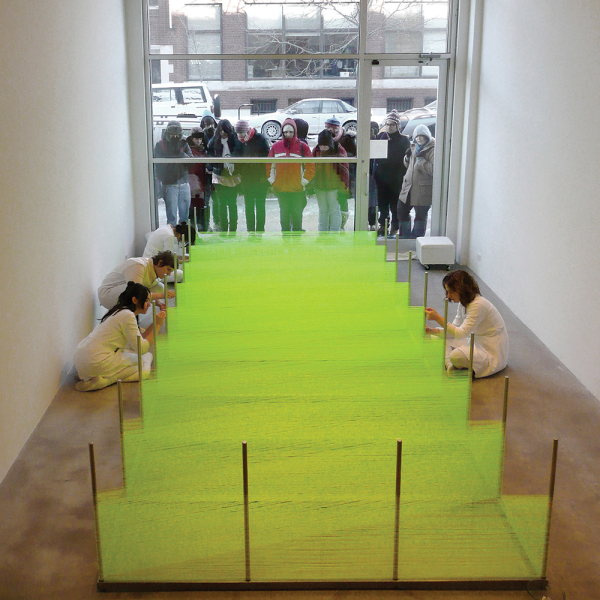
306	347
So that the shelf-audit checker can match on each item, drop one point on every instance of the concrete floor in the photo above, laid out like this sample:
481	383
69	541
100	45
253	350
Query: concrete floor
47	544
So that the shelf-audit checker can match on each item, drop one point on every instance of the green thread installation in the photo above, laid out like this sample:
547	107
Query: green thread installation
305	346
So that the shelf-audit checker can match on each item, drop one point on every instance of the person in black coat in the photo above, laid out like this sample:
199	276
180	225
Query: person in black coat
174	176
254	176
389	172
225	178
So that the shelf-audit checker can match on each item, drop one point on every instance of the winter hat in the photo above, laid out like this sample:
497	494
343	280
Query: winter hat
332	121
196	132
394	117
422	130
301	128
325	138
242	127
174	128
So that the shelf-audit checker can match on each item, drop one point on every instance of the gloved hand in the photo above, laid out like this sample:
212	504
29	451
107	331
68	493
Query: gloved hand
271	180
304	182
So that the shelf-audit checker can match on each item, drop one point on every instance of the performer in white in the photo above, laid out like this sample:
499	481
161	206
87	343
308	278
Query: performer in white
147	271
169	237
477	316
101	359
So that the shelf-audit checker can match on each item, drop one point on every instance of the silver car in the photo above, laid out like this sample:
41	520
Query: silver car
315	111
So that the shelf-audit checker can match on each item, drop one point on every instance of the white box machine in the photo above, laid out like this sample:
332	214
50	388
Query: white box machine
435	251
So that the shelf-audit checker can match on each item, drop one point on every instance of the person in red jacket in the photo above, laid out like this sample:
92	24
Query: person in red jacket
289	179
331	182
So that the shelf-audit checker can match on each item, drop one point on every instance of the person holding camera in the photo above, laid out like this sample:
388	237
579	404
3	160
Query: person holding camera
174	177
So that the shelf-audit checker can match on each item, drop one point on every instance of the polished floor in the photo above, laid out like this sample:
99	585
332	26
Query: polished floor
47	545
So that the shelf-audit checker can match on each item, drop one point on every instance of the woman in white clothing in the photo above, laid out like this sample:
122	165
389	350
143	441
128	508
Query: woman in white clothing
168	237
477	316
147	271
100	358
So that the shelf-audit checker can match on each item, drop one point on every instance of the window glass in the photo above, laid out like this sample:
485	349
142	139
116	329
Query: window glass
308	106
340	16
203	17
261	17
398	27
301	16
330	106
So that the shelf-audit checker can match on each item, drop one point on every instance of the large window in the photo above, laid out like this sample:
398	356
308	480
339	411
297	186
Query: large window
268	60
298	29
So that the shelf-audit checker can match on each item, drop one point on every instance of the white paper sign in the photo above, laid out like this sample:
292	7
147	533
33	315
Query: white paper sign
379	148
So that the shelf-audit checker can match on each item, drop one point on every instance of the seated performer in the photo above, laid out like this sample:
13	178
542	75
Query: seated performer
167	237
139	270
477	316
100	359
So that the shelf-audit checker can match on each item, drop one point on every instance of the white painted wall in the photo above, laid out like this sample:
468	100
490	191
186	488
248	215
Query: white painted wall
67	208
535	217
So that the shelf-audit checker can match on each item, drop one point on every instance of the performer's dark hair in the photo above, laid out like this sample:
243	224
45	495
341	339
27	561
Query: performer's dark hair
462	283
133	290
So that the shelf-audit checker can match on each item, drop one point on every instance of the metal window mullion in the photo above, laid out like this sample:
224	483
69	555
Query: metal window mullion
149	124
256	160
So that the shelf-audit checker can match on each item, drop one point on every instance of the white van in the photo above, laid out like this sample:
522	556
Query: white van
184	100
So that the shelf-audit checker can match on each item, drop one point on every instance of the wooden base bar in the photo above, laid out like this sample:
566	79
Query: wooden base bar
256	586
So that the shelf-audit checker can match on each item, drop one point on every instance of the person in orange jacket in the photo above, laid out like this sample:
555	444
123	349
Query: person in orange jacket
289	180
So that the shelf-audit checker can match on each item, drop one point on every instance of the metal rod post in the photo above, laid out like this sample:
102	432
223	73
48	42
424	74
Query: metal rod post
183	255
425	296
95	503
176	261
154	364
385	241
409	274
397	519
504	414
397	237
140	371
190	241
471	348
166	305
121	430
246	509
445	334
550	503
196	217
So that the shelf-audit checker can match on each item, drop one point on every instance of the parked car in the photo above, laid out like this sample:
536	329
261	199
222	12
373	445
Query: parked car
183	100
426	115
315	111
